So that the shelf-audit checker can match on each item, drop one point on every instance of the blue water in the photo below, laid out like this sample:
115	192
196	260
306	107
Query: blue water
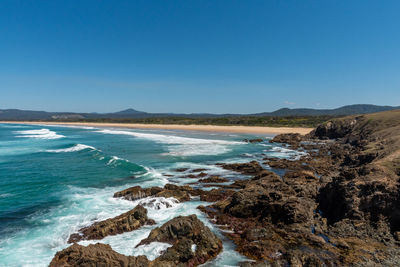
57	179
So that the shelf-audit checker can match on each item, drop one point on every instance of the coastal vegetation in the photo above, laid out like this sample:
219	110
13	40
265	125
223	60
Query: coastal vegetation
272	121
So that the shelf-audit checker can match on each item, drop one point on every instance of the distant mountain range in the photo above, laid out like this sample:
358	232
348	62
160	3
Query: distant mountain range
17	114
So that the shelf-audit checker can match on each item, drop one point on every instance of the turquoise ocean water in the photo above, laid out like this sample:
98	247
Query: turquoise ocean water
55	180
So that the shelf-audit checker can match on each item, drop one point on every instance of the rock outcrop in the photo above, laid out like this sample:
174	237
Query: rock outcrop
338	206
94	256
248	168
125	222
181	193
214	179
255	140
292	139
192	244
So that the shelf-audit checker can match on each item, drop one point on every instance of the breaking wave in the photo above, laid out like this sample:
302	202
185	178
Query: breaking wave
40	134
75	148
182	146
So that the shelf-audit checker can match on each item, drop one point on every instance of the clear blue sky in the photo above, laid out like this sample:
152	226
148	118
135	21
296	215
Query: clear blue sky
198	56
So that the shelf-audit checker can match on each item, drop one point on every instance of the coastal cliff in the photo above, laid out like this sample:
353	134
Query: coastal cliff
339	206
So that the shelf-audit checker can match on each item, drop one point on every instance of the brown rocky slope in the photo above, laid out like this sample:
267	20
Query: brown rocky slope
339	206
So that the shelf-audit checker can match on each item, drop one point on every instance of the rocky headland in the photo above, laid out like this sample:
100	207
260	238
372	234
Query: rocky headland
337	205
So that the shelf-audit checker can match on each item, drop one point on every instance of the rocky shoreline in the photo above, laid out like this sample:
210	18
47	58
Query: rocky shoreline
337	205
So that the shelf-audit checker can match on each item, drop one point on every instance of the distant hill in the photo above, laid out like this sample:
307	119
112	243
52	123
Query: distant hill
342	111
129	111
17	114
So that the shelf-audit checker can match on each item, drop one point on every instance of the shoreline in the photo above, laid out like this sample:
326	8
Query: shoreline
191	127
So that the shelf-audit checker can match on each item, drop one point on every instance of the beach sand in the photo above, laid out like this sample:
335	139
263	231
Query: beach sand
206	128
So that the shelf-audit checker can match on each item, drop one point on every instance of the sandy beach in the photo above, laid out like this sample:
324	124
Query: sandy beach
206	128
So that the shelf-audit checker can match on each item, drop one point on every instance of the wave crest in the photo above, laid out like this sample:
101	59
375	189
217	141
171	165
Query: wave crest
181	146
40	134
75	148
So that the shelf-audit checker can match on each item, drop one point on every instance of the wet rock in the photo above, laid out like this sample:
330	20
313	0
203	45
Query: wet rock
95	255
216	195
238	184
213	179
137	192
192	242
181	169
292	139
159	203
248	168
125	222
256	140
199	170
195	176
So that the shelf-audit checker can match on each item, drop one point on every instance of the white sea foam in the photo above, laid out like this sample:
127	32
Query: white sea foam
159	203
70	126
181	177
80	207
114	159
282	152
158	179
84	206
153	250
198	149
265	145
77	147
179	145
169	139
40	134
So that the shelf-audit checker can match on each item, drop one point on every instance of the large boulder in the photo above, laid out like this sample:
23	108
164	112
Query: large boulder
181	193
192	242
291	138
125	222
95	256
334	129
